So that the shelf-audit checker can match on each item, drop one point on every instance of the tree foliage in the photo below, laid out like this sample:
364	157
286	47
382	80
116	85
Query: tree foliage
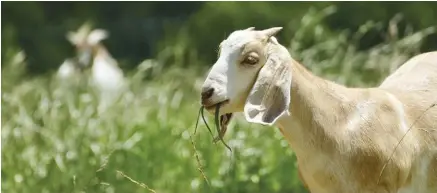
140	30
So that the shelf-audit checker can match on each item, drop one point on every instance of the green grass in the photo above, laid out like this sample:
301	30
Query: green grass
53	140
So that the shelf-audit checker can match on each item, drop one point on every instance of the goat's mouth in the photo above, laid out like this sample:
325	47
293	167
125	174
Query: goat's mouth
211	108
222	121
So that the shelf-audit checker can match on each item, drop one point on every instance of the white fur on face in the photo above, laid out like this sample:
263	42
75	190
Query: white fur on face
229	79
85	48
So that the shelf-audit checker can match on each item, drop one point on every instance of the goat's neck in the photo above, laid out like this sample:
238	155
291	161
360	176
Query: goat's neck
101	54
100	51
315	106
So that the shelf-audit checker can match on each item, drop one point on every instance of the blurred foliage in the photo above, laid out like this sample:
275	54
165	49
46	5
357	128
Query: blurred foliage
140	30
53	139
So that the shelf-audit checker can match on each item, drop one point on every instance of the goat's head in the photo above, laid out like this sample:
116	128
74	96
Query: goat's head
86	42
252	74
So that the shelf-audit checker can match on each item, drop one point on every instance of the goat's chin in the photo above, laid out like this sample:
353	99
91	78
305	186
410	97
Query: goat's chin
225	108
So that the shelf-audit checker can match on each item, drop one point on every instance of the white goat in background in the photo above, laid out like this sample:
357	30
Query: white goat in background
346	140
71	68
106	76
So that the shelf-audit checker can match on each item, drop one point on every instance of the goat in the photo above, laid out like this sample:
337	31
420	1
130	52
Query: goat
107	77
342	136
106	73
79	39
72	67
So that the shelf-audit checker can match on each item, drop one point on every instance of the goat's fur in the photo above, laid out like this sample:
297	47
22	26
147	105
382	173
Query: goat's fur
106	76
342	136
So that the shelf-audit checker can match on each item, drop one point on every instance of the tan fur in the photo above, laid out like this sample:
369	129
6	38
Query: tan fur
354	157
343	137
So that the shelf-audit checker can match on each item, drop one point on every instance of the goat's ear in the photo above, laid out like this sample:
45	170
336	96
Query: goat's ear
250	29
271	31
96	36
269	98
72	38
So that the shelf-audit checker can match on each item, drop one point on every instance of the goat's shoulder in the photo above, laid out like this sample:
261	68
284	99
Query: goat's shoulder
379	109
374	124
378	120
373	108
420	109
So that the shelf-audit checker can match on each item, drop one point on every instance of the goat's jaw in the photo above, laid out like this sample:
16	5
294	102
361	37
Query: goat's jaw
224	107
225	117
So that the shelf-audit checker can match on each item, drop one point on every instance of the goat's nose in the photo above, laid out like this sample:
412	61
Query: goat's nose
207	93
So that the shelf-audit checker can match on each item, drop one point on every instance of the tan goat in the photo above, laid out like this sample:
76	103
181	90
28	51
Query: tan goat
342	136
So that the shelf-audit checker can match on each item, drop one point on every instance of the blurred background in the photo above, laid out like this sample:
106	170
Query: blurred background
104	96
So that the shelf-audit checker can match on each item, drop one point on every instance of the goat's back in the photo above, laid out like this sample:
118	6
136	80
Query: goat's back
417	74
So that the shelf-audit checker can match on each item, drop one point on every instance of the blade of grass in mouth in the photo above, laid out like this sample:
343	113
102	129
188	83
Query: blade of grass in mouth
224	120
217	124
217	121
197	122
204	121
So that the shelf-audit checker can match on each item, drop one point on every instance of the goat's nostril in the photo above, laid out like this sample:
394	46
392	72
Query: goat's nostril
208	93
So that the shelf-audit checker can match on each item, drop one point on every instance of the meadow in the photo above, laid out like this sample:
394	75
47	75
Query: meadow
54	141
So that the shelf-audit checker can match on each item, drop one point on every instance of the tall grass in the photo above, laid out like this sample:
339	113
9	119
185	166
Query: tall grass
53	140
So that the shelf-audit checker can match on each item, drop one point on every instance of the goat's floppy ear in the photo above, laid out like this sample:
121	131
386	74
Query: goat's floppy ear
250	29
269	98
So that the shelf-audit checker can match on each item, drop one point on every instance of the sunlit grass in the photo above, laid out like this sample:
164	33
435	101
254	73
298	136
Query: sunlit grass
54	140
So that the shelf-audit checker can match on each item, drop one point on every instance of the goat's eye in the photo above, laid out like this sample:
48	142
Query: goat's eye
251	60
